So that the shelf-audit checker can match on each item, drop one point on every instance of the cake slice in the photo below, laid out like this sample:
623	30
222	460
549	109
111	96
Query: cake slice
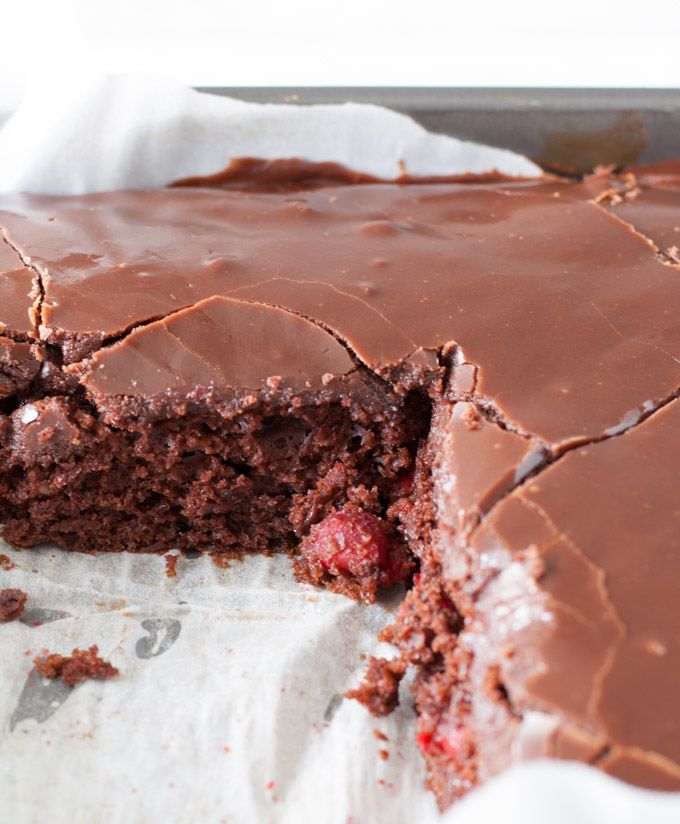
563	585
467	388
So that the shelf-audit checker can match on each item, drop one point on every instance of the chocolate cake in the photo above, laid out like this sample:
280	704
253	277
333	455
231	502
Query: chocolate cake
469	387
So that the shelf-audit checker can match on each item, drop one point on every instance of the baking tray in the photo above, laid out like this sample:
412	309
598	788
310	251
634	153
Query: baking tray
562	129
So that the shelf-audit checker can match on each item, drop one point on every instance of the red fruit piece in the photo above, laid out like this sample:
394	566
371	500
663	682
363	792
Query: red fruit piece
447	740
353	543
424	740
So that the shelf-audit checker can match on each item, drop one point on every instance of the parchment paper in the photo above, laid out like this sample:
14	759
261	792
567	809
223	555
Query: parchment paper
227	707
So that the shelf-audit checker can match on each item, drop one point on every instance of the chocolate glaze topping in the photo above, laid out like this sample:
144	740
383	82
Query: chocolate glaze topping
551	320
179	353
588	633
654	213
564	311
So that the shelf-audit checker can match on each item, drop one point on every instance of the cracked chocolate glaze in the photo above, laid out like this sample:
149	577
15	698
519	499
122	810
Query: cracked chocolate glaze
17	289
557	439
564	311
567	598
177	354
654	213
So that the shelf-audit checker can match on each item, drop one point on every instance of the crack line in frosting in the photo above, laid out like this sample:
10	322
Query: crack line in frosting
602	754
315	322
662	256
164	323
620	334
599	577
119	337
491	413
334	289
35	311
612	750
555	452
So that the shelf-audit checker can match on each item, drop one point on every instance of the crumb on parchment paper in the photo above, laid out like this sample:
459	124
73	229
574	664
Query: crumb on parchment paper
81	665
12	603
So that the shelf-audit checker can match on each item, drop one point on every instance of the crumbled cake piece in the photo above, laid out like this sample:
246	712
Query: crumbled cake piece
379	689
12	603
171	565
79	666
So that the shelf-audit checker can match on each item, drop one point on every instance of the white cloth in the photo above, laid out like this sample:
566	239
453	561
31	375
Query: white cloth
91	134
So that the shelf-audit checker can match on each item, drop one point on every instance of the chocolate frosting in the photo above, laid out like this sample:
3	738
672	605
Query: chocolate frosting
597	643
210	345
561	307
654	213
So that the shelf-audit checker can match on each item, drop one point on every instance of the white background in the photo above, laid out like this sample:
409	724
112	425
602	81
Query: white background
346	42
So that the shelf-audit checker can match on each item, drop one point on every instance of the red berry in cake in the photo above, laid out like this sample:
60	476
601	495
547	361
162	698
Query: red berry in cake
354	552
424	740
354	543
446	739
